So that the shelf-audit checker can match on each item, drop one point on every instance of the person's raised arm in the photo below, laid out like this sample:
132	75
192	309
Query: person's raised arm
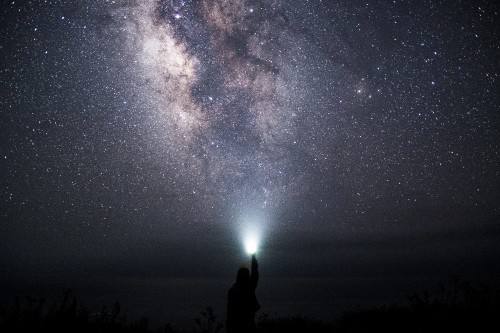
254	275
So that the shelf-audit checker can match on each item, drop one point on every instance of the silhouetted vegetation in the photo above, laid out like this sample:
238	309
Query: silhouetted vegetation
208	322
67	315
455	307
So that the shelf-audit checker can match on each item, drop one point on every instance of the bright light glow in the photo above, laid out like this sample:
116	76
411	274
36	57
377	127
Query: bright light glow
251	245
252	230
251	240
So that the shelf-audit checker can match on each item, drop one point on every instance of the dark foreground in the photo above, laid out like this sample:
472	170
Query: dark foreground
456	307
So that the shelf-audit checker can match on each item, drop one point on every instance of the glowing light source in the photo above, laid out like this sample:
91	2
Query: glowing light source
251	245
252	230
251	241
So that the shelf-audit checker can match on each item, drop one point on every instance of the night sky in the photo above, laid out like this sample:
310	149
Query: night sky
149	138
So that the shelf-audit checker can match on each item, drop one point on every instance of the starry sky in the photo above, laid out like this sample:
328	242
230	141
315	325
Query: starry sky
147	137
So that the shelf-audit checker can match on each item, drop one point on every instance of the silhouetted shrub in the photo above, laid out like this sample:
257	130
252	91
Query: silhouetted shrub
208	322
66	315
458	306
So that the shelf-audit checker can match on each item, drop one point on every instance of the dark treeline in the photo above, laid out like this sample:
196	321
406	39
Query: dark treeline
456	306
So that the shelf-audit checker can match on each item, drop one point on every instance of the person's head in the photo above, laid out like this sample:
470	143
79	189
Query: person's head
243	275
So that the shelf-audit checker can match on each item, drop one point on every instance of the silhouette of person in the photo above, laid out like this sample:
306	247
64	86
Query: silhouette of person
242	302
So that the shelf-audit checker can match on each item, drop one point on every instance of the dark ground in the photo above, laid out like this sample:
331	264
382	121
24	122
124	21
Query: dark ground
454	306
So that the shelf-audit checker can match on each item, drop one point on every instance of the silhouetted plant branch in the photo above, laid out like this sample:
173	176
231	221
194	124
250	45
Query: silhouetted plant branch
208	322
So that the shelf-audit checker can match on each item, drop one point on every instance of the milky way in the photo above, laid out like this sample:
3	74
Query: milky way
223	95
135	117
237	101
253	107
